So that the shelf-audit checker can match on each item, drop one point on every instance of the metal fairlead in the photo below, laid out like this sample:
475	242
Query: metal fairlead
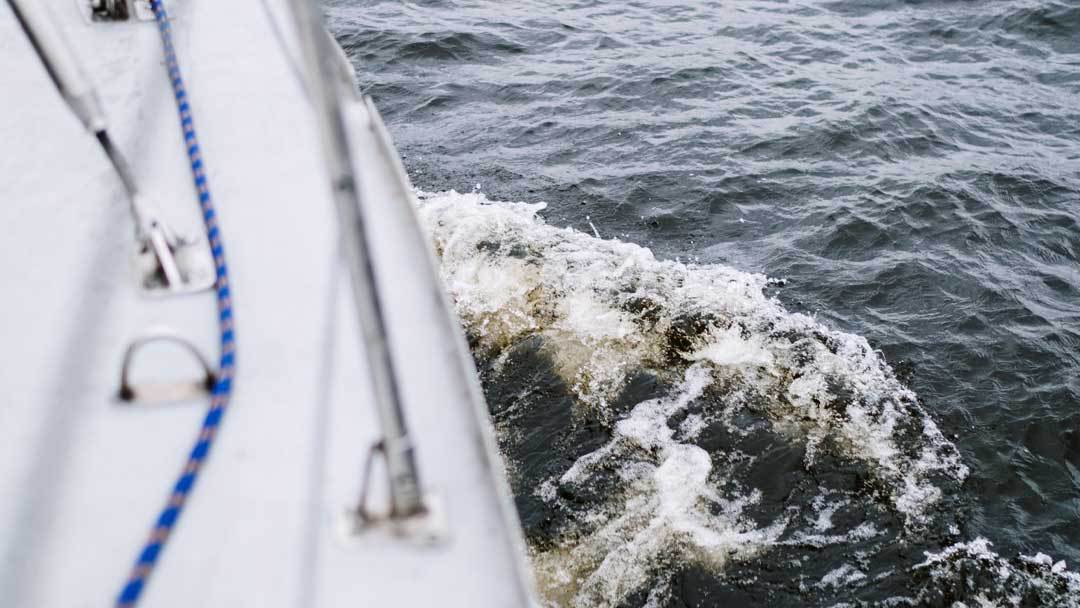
162	392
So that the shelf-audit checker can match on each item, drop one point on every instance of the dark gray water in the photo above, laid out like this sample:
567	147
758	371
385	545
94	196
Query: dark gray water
909	171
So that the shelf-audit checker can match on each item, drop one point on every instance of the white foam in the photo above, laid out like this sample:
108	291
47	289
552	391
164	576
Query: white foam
825	511
805	538
605	309
845	575
728	348
511	275
667	509
1026	580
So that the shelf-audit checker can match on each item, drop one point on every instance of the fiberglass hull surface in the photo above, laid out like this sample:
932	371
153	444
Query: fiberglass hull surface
84	476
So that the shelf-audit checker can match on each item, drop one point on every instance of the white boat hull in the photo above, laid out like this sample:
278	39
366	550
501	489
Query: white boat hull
83	476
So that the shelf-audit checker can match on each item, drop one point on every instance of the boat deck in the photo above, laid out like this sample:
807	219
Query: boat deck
85	475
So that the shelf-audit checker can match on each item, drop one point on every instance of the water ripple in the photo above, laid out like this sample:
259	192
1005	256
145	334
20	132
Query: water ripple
908	169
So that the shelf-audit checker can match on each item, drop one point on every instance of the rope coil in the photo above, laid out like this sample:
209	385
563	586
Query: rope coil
222	391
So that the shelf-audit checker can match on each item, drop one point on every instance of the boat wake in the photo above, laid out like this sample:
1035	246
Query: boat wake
703	429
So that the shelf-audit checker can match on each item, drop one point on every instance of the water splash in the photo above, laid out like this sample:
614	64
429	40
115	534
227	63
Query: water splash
972	574
606	310
666	510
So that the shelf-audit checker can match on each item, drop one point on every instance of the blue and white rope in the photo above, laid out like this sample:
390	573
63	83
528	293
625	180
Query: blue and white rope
219	399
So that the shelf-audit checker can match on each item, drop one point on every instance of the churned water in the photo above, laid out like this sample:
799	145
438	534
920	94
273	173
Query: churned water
786	307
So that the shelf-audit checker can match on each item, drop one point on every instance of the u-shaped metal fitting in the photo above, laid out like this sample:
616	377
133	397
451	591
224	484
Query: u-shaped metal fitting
161	392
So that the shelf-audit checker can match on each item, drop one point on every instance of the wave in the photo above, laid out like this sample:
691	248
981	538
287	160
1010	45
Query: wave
426	46
605	311
972	574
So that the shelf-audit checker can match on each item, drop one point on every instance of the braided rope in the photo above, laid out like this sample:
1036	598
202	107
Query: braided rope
219	398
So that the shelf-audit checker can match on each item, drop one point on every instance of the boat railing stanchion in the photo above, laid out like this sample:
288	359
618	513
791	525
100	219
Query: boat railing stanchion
411	513
166	264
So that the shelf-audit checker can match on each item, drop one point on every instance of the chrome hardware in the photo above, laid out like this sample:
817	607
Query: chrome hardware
166	264
161	392
169	265
426	526
60	61
325	88
110	10
120	10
